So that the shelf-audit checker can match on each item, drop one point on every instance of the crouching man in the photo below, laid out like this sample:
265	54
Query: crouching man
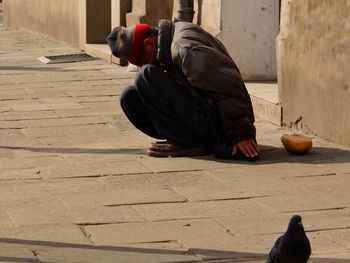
188	93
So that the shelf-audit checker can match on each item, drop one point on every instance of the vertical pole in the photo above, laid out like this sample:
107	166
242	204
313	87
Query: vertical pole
185	11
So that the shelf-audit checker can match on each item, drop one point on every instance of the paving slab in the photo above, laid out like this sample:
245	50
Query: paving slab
332	185
58	122
28	115
101	152
44	235
76	184
99	215
231	183
300	201
188	164
148	252
331	258
198	210
16	94
18	174
11	252
29	163
76	170
48	106
11	125
66	131
159	180
122	197
194	234
37	212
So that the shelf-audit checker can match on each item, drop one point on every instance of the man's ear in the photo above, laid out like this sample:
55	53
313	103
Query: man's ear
150	41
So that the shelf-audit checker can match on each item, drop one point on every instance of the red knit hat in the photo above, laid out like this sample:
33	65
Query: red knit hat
128	42
140	34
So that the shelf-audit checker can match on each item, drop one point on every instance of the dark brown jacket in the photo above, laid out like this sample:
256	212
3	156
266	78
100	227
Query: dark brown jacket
210	72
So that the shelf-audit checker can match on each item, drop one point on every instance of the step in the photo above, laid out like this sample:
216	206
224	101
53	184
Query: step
102	51
264	96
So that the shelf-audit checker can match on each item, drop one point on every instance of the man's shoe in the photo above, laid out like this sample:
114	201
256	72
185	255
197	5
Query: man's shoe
171	149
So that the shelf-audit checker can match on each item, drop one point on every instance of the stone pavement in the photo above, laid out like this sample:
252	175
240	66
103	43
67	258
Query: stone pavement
76	186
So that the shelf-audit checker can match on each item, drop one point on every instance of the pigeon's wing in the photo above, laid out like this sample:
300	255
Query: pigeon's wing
274	255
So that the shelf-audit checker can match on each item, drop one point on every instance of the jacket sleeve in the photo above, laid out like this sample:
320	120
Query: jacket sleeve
208	69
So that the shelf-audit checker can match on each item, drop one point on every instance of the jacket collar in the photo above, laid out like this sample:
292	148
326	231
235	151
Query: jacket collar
165	38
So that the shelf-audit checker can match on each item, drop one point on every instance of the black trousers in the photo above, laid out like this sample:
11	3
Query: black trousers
161	107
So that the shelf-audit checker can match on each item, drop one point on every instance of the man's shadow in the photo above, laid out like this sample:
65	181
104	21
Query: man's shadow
76	150
269	154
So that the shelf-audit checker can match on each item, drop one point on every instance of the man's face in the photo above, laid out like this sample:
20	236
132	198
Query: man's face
149	55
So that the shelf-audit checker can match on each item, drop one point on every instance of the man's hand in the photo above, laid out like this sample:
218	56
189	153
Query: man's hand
248	147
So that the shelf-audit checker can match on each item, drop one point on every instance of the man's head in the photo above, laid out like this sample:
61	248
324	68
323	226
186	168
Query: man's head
137	44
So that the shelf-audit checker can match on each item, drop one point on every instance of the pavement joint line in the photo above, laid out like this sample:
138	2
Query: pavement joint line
225	260
185	201
307	231
157	241
295	184
317	175
18	259
174	190
174	171
35	252
144	166
228	231
86	234
316	210
147	203
233	198
182	219
327	229
23	179
262	205
60	81
159	221
10	128
77	177
108	223
96	175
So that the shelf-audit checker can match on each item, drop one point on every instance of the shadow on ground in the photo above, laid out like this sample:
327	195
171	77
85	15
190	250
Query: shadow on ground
269	154
322	155
77	150
10	68
43	247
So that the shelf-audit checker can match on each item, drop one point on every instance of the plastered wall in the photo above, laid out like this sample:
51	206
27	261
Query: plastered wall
149	11
58	19
313	67
249	29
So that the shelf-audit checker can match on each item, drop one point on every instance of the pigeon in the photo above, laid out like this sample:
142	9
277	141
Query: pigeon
293	246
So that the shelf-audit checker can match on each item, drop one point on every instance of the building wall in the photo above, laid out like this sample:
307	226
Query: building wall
149	11
249	29
56	18
314	55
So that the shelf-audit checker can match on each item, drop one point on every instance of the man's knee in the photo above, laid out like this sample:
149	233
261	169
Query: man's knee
129	96
147	75
147	71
